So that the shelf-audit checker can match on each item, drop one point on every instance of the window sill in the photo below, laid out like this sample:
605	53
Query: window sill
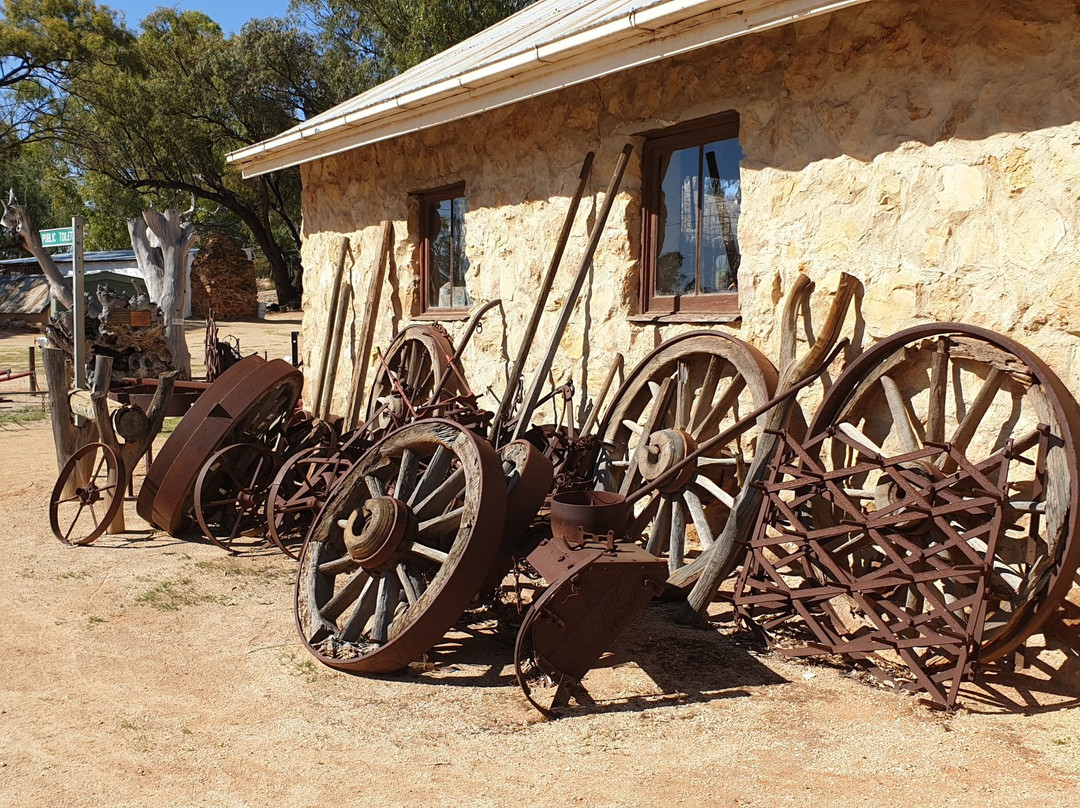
662	318
443	315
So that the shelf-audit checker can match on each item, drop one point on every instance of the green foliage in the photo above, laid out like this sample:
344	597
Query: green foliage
102	121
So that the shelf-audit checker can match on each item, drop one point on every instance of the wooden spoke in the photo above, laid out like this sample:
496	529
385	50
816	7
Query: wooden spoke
714	489
433	474
441	525
898	408
677	540
374	485
697	515
385	605
406	479
337	566
939	380
658	536
706	392
856	435
428	553
450	489
715	416
409	586
365	607
346	596
682	395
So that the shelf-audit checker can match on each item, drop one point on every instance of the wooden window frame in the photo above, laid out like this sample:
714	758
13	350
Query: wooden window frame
722	306
425	200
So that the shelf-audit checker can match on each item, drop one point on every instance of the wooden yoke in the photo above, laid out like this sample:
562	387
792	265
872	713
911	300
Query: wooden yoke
101	418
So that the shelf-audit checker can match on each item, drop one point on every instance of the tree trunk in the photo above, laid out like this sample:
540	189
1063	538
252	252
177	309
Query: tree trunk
165	235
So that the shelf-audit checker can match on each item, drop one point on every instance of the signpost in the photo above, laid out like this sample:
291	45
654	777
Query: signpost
73	237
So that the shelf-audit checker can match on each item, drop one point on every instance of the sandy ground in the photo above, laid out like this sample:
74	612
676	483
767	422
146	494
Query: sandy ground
148	670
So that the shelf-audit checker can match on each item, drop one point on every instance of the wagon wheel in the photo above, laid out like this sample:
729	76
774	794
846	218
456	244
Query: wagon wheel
83	510
684	392
230	495
298	492
410	369
994	403
401	547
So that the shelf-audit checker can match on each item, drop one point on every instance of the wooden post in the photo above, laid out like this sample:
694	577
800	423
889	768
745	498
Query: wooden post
335	351
335	292
367	325
33	370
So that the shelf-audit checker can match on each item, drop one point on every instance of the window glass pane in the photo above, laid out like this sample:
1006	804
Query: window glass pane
721	197
446	260
460	262
676	227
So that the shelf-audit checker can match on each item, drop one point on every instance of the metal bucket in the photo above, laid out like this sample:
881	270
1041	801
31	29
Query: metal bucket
595	512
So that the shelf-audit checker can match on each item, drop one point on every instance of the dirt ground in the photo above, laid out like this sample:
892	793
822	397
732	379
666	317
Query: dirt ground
148	670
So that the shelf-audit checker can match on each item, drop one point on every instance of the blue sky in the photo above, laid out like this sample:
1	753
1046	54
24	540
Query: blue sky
230	15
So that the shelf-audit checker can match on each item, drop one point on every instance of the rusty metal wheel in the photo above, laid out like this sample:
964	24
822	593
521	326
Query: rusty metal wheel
680	395
411	368
994	408
298	493
88	494
244	402
230	496
401	547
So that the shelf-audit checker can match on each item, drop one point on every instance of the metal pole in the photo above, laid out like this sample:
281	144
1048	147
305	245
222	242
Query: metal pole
78	304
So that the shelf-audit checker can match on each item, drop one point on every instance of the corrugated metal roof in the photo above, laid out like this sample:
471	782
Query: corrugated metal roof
546	46
24	294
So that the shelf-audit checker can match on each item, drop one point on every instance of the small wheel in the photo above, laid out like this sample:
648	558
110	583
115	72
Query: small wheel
88	494
411	367
298	493
401	547
230	495
679	396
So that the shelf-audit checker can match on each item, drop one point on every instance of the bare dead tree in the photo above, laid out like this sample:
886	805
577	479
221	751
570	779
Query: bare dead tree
162	242
16	219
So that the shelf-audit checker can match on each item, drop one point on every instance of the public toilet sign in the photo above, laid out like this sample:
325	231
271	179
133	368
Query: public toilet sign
57	237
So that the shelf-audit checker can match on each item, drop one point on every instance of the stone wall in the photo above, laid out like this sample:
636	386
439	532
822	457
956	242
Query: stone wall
928	148
223	276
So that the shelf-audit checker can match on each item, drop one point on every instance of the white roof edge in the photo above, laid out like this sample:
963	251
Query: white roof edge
642	36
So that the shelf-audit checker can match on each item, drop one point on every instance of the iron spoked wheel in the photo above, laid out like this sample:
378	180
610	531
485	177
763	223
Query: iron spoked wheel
683	393
401	547
298	493
88	494
230	496
412	366
993	406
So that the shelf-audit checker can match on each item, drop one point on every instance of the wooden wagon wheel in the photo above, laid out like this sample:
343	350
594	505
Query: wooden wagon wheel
410	369
684	392
298	492
401	547
230	495
993	406
83	510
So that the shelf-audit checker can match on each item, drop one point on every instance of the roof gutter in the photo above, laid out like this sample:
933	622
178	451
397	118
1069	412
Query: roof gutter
647	35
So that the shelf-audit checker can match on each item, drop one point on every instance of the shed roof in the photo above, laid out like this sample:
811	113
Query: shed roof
546	46
24	294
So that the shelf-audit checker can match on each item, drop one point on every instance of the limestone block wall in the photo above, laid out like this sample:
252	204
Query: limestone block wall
931	149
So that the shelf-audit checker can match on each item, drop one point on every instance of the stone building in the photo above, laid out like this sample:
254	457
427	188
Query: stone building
931	149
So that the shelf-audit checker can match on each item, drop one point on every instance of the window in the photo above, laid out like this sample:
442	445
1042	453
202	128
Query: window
691	200
442	248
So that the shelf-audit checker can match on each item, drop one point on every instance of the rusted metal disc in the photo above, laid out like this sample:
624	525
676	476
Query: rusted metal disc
981	395
380	620
82	511
680	395
243	402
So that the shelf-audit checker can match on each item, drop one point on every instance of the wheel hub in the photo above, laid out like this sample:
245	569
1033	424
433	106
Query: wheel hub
375	531
664	450
888	493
